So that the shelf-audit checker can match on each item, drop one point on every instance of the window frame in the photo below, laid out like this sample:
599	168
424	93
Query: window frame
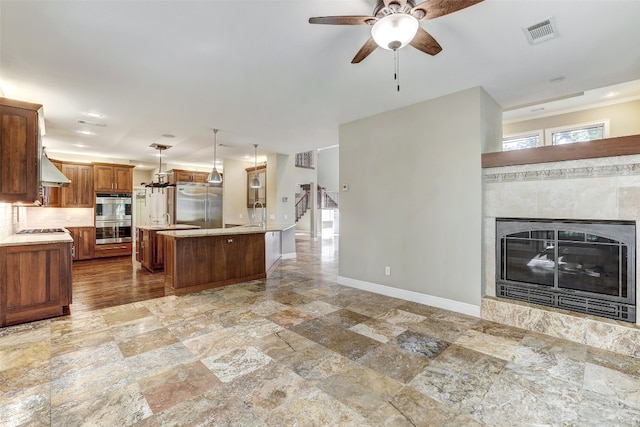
548	133
539	133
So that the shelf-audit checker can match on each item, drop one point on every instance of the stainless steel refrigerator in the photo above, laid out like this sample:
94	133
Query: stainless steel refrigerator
196	204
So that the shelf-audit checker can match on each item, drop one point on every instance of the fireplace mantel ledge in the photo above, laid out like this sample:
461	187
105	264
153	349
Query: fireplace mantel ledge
609	147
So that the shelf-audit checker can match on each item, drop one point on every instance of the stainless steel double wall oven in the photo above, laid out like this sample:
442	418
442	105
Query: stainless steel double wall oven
113	218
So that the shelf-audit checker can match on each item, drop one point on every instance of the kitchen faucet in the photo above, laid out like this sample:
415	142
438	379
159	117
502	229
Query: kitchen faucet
168	215
264	213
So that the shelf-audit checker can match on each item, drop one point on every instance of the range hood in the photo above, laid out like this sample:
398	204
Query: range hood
50	175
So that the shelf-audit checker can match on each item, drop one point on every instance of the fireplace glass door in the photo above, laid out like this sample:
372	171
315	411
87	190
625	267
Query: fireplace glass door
582	266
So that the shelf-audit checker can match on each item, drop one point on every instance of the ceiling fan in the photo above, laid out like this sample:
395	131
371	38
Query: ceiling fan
394	24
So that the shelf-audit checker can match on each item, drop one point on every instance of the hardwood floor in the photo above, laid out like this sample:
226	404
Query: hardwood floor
107	282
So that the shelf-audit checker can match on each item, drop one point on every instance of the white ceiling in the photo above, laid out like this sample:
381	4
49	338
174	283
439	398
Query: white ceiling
259	72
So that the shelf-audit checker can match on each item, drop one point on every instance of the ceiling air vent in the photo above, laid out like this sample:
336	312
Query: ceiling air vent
540	32
90	123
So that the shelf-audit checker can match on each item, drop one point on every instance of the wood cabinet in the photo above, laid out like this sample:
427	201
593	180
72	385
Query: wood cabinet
179	175
79	194
112	249
19	151
150	252
110	178
84	242
209	261
51	195
36	282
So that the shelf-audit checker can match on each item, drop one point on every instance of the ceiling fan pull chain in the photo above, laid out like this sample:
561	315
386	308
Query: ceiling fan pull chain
396	75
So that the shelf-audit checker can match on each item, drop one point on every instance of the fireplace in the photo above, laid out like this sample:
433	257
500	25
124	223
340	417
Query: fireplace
582	266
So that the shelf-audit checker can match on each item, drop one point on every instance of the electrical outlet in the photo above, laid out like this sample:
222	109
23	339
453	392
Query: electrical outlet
240	216
286	216
272	216
387	270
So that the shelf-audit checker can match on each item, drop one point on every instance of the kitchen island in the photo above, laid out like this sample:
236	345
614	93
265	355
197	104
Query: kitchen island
209	258
150	244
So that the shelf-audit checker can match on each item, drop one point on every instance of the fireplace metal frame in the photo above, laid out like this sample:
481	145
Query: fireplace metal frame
613	307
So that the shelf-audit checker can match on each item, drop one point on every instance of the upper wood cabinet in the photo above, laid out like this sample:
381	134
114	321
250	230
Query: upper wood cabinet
19	151
79	194
112	178
179	175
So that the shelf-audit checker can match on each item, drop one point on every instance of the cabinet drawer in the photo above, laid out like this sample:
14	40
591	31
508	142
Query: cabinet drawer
115	249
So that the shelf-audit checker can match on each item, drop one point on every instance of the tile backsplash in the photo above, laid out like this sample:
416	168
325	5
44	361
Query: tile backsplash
6	222
58	217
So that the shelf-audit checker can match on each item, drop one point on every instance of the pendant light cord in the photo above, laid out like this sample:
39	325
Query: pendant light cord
215	146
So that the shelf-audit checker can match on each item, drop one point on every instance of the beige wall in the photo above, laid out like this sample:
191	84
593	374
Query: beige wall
416	174
280	185
234	193
623	119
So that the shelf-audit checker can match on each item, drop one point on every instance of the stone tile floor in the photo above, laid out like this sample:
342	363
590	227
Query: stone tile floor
300	350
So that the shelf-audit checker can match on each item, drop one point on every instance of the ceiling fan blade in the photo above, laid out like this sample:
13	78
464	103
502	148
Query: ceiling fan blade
365	51
435	8
425	42
343	20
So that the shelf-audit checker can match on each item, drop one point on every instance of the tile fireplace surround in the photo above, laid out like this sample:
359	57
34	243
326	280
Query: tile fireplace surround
602	188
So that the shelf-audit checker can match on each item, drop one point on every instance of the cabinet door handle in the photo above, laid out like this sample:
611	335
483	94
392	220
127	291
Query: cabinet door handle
229	240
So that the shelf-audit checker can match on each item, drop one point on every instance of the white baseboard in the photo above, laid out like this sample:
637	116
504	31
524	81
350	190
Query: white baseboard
291	255
444	303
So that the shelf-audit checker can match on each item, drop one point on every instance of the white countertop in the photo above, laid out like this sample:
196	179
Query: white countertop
243	229
168	227
36	239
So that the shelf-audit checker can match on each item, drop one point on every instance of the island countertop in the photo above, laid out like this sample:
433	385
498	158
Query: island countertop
168	227
243	229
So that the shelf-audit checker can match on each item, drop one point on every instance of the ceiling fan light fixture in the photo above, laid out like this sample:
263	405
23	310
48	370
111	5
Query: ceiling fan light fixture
394	31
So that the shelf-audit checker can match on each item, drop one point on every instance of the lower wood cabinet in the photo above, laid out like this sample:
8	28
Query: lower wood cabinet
35	282
84	242
150	250
202	262
112	249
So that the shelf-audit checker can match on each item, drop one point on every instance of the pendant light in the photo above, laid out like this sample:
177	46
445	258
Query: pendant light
255	181
214	177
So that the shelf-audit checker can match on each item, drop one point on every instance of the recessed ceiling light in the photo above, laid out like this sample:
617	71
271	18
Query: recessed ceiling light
94	115
168	135
535	110
86	132
557	79
79	145
611	94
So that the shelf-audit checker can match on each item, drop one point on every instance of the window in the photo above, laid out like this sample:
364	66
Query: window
520	141
578	133
305	160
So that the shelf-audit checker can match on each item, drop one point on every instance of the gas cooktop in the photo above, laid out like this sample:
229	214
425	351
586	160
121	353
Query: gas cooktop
42	230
